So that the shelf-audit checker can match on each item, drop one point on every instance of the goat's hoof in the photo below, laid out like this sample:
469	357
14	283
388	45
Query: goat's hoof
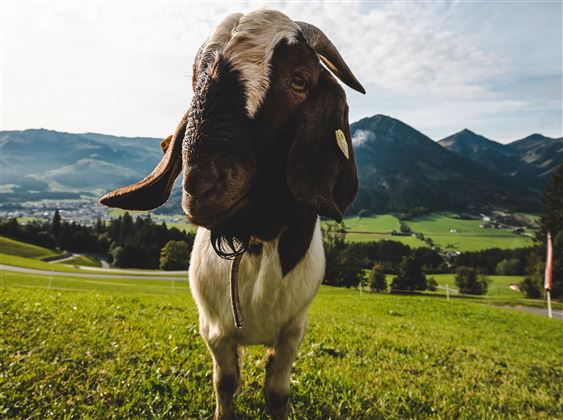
222	415
278	404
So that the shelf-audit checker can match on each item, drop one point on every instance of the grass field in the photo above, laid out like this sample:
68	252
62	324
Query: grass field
64	267
36	264
498	287
377	228
465	235
382	223
22	249
183	226
368	237
117	348
445	231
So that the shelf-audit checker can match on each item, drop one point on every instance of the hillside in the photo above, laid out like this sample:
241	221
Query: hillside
23	249
42	163
401	169
538	156
482	150
529	161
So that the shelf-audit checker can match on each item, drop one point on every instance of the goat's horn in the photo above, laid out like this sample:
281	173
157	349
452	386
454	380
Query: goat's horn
329	55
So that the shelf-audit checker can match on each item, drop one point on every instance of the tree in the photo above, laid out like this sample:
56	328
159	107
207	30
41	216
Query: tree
470	281
349	270
431	284
363	213
333	242
508	267
377	280
410	277
126	227
175	256
551	221
405	228
56	225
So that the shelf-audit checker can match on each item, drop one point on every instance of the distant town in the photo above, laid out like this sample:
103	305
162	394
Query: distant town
84	211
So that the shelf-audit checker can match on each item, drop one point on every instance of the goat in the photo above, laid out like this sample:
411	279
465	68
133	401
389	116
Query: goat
265	149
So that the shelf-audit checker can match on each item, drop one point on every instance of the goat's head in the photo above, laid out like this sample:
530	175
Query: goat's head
266	135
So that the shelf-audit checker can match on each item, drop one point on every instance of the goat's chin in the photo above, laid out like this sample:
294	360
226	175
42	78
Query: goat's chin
217	219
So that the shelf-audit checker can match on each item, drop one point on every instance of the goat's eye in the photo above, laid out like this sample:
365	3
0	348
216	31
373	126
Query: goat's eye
298	84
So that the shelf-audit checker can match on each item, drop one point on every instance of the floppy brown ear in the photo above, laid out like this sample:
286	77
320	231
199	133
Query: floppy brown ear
319	173
154	190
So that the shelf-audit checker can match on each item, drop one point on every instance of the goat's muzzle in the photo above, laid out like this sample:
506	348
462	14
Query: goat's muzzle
214	197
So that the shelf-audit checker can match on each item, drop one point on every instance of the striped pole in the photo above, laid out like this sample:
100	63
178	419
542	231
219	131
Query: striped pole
548	274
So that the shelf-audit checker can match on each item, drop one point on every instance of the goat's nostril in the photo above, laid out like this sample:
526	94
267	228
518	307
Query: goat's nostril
198	183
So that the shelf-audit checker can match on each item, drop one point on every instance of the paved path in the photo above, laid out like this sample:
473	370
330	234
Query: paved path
88	275
557	314
63	259
178	273
67	256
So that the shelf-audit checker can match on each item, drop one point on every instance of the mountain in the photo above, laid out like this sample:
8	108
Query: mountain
45	161
401	169
529	161
538	156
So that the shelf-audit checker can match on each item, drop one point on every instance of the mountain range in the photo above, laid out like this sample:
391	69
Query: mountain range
530	161
400	169
37	164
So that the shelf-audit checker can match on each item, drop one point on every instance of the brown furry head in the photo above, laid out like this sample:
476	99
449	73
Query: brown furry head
266	139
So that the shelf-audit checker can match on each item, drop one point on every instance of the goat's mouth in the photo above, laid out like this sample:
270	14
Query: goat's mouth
215	219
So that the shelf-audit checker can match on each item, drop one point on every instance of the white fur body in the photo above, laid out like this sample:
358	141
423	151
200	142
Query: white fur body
269	302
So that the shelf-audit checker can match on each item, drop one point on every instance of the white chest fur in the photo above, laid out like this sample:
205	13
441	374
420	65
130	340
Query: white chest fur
268	300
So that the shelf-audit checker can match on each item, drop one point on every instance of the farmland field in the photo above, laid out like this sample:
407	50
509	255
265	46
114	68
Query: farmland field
124	348
498	287
382	223
465	235
377	228
447	232
368	237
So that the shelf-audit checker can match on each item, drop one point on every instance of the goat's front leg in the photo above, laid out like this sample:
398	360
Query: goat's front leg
278	369
226	376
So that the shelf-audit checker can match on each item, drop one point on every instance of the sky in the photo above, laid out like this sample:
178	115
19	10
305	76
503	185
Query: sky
124	67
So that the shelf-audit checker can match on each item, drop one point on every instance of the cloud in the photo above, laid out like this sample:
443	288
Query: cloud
404	47
361	136
125	68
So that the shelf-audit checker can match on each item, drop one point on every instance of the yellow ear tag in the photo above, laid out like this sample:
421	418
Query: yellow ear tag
165	144
342	144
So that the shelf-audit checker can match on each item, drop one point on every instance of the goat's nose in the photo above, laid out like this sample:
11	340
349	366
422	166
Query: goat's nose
199	181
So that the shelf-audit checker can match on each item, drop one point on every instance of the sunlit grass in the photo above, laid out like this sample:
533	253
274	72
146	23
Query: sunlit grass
115	348
12	247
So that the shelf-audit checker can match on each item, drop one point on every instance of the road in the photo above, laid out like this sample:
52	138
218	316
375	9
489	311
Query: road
67	257
557	314
178	273
90	276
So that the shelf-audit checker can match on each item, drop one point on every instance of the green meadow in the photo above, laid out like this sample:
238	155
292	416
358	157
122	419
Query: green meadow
119	348
447	232
465	235
22	249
